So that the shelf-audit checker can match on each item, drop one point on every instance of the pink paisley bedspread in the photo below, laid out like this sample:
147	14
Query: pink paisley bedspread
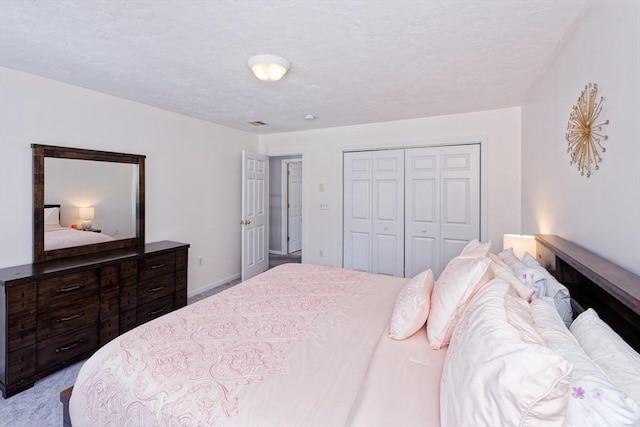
291	346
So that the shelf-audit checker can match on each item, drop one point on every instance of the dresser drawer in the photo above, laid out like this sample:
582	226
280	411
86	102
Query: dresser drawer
21	298
62	348
81	313
155	266
109	278
128	320
155	309
60	291
128	298
21	329
156	288
128	273
21	365
109	329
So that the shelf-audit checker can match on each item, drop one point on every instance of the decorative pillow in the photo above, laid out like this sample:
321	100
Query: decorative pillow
412	306
604	346
461	278
475	249
502	271
555	290
530	277
52	216
594	399
497	371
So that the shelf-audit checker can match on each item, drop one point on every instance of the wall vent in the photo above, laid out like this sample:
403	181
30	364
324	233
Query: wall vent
257	123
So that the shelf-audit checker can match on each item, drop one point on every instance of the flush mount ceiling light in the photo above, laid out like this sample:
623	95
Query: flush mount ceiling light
268	68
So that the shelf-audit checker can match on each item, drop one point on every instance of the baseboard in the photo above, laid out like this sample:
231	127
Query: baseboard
277	252
212	285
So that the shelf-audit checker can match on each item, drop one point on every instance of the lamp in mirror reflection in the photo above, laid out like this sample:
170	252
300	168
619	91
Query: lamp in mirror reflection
520	243
87	214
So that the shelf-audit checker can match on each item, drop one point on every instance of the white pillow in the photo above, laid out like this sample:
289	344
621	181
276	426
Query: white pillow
475	249
497	371
594	399
617	359
52	217
502	271
555	290
461	278
530	277
412	306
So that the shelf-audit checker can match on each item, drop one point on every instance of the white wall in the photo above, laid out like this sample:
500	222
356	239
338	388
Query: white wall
322	162
601	213
193	168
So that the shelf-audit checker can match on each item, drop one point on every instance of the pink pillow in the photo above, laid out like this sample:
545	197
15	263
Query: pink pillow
461	278
497	370
412	306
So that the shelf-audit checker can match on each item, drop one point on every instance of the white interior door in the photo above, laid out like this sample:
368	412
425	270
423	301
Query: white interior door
357	211
460	174
294	207
388	212
422	211
255	221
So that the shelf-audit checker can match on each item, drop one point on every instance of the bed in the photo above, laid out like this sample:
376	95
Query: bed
59	237
310	345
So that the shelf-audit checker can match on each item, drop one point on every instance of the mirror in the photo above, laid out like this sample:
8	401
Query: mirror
86	202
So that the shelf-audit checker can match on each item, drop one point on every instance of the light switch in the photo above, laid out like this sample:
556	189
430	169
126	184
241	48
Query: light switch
321	187
324	206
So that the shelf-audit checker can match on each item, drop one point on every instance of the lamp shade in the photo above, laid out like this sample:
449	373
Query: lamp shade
86	213
520	243
268	68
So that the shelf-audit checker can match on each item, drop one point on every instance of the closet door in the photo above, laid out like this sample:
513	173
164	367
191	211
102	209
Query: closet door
388	212
460	174
358	222
422	211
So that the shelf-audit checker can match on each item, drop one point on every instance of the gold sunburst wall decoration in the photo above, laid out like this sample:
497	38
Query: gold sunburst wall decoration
584	133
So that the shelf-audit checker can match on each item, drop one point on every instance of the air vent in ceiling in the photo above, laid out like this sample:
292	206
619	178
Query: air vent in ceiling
257	123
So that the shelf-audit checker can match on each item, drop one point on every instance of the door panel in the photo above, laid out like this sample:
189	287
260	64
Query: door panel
422	211
461	194
255	181
294	200
357	210
388	212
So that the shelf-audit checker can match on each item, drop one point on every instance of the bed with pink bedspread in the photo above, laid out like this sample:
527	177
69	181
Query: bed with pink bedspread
292	346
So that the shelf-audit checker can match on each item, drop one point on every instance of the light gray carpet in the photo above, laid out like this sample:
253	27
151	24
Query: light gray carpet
40	405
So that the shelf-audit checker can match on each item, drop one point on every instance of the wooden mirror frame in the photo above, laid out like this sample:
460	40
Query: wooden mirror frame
40	152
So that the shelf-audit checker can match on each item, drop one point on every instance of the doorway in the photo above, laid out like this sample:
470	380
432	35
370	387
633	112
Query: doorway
285	209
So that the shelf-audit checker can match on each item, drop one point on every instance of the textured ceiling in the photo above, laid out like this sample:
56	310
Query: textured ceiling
353	62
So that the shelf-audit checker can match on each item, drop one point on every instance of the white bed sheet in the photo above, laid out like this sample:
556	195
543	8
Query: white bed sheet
65	237
292	346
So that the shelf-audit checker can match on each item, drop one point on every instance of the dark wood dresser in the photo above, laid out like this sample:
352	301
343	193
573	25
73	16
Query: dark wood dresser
57	313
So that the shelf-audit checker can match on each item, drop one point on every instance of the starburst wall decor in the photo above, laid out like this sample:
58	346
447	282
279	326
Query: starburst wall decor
584	135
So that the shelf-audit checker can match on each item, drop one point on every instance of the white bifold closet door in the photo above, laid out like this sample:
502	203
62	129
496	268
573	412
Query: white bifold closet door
374	211
409	210
442	205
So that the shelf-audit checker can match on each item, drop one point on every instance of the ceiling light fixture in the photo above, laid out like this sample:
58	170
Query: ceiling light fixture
309	117
268	68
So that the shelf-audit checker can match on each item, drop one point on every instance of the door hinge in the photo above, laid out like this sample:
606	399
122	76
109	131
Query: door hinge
288	206
288	238
288	172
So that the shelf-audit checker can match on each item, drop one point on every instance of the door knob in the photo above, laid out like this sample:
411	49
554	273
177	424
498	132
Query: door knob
245	222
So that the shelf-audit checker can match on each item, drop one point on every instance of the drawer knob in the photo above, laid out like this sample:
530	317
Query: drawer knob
70	346
154	312
157	266
155	289
66	319
69	289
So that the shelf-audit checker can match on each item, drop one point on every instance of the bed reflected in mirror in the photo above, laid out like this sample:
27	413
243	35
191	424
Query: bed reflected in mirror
88	202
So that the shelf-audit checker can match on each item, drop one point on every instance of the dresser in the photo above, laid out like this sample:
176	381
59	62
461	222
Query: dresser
56	313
